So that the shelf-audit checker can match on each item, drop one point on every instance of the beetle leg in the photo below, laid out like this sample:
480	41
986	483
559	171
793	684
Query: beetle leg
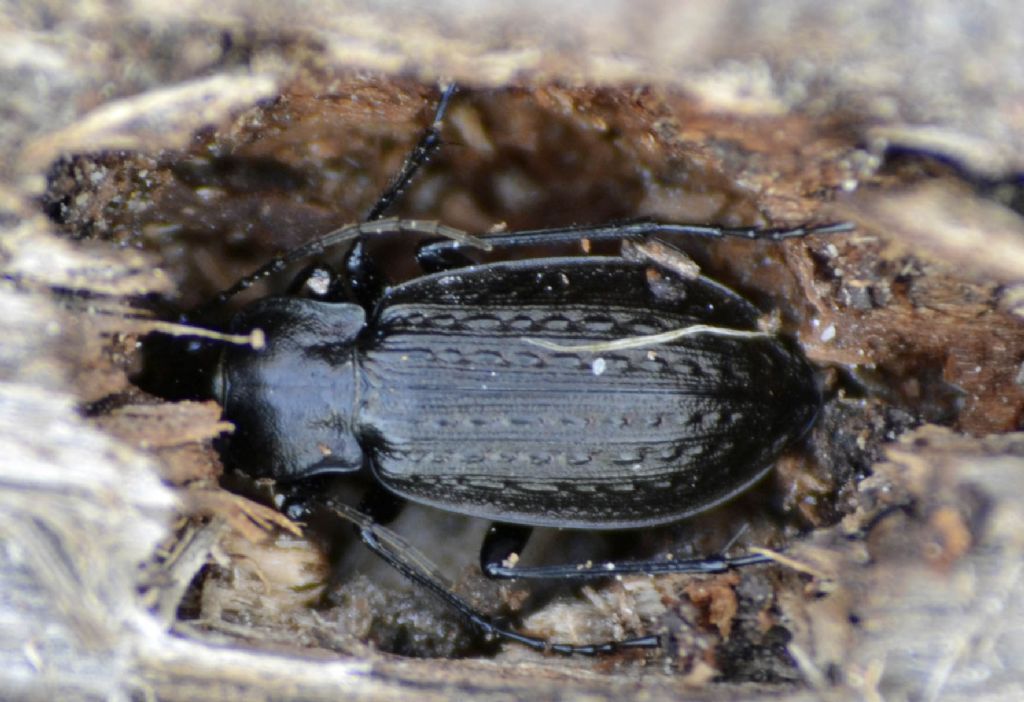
394	551
502	546
638	230
592	571
366	281
342	235
380	505
429	142
489	626
433	259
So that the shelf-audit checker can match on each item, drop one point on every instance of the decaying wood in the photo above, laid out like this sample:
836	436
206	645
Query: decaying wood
156	151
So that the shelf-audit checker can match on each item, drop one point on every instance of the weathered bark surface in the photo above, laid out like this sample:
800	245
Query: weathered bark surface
165	150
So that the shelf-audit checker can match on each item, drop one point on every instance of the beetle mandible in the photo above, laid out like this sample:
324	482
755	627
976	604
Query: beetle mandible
597	392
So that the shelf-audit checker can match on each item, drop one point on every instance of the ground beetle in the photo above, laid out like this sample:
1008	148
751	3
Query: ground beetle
579	392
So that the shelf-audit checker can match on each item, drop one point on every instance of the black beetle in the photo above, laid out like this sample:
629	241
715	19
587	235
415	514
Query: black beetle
577	392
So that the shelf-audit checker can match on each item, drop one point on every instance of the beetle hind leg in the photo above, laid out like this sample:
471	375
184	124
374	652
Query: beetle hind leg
501	548
380	505
635	230
401	556
503	543
414	568
503	568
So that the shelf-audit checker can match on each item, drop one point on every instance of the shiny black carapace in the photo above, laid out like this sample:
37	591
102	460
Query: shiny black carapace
577	392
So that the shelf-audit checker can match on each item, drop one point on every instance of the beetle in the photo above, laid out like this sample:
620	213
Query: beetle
597	392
